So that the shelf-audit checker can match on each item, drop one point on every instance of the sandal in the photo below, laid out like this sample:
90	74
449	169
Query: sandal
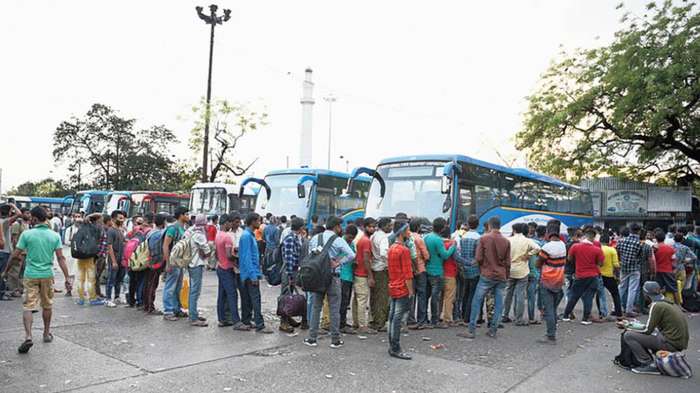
26	345
48	338
5	298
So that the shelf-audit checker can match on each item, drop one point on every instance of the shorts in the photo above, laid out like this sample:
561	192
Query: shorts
38	291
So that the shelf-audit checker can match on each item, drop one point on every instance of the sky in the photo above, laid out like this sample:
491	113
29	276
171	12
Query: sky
410	77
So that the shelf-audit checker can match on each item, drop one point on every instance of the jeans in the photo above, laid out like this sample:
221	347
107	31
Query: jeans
641	344
136	282
333	292
485	285
420	281
532	298
227	296
550	299
397	311
171	291
116	277
584	288
195	290
4	259
611	285
601	299
515	288
458	311
251	294
469	285
436	284
149	289
628	287
345	296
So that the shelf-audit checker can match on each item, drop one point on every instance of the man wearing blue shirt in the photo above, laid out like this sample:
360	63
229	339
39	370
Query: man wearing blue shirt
339	253
249	263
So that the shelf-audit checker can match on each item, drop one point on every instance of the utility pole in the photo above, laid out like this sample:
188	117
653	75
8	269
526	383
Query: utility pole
212	20
330	99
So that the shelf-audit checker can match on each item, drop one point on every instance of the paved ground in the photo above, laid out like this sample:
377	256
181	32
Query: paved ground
115	350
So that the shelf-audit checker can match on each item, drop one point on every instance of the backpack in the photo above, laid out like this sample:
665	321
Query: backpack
140	258
315	274
131	246
181	255
691	300
155	248
273	266
86	242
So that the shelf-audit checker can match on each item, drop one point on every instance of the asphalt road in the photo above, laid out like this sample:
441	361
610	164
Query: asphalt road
97	349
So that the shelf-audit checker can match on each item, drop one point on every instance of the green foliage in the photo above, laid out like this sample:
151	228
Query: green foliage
44	188
102	149
229	123
629	109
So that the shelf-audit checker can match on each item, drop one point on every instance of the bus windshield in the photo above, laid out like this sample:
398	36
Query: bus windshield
414	190
284	201
208	201
117	201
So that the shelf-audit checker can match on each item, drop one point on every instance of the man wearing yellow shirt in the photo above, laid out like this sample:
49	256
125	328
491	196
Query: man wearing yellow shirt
607	272
521	249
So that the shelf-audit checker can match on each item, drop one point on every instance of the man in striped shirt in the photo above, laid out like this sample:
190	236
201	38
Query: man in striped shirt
291	255
629	249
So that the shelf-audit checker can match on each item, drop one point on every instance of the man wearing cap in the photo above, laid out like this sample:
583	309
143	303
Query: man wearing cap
672	326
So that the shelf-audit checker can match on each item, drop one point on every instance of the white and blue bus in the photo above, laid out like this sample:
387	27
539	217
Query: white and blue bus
456	186
306	192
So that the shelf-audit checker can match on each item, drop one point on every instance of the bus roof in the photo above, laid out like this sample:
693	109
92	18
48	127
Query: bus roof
312	171
46	199
95	192
522	172
230	188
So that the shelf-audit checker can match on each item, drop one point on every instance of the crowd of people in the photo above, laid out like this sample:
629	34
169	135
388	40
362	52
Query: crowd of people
392	274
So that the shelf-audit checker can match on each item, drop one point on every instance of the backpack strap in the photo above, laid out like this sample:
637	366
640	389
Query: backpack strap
328	244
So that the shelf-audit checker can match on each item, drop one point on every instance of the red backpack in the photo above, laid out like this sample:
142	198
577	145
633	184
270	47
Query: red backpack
131	246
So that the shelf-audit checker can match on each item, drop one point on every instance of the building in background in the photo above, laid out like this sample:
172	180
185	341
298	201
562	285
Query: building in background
618	202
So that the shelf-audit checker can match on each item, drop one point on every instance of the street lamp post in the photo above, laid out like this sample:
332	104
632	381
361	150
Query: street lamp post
212	20
330	99
347	163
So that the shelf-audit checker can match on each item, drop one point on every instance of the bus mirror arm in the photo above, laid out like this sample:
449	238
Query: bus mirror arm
447	204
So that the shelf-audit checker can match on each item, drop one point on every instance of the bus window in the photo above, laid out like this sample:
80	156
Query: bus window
325	205
484	199
576	202
162	207
528	194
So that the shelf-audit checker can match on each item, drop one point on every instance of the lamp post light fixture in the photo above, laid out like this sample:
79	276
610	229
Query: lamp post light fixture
213	20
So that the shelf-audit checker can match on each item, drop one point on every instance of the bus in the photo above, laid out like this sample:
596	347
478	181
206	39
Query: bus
306	192
219	198
88	202
29	202
140	203
456	186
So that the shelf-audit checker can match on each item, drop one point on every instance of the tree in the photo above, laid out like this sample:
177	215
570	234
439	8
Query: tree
44	188
104	148
628	109
233	122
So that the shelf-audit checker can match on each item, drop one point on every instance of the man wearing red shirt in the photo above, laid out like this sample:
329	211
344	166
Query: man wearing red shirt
665	259
587	257
400	287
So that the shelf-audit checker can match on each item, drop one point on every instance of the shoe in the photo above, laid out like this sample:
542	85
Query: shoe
566	319
382	329
337	344
169	317
110	304
69	294
595	320
491	333
586	322
347	330
547	340
500	326
414	327
241	327
294	323
310	342
573	316
155	312
201	319
649	369
611	318
97	302
264	330
506	320
80	302
199	323
441	325
467	334
400	355
224	324
480	321
522	323
286	328
534	322
26	346
631	315
366	330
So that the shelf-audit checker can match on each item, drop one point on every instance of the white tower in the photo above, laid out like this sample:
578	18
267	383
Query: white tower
307	106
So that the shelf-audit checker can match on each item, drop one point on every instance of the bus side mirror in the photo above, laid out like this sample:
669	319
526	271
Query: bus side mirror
301	191
445	185
447	204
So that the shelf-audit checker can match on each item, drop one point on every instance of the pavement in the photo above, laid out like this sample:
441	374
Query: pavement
97	349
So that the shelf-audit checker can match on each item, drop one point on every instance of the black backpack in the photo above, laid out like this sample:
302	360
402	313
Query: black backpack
315	273
272	268
691	300
86	242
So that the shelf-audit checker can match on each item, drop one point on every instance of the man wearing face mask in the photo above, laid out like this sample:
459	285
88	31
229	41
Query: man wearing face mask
115	250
